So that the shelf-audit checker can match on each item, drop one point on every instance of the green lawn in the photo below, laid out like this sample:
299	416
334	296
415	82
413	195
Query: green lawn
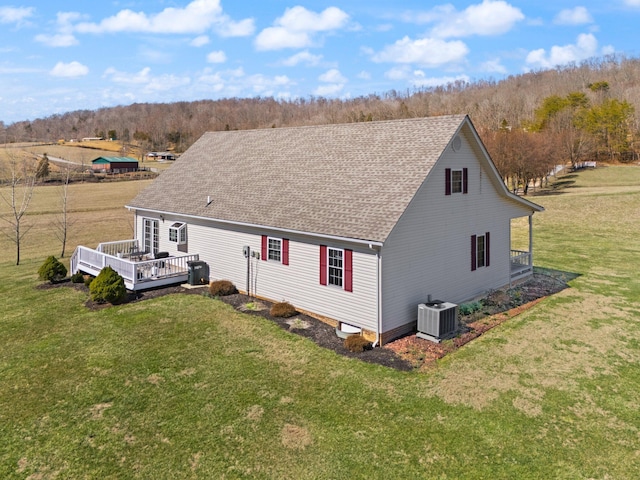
185	387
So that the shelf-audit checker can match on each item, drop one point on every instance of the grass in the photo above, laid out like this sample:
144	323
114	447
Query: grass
186	387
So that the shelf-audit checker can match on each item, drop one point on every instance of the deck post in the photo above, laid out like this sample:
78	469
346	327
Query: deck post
531	242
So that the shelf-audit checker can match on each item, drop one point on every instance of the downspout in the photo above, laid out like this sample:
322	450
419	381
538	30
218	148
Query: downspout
379	295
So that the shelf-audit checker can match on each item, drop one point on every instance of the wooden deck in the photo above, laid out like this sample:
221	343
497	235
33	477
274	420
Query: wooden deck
138	272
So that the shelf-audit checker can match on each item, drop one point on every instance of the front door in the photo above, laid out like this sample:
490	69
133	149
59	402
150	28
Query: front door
151	235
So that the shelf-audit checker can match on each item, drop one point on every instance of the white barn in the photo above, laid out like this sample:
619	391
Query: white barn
356	223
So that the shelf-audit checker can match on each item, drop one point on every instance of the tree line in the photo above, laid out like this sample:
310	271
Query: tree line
571	113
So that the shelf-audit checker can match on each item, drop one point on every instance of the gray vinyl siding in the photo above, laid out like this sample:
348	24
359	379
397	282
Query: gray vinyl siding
429	250
298	283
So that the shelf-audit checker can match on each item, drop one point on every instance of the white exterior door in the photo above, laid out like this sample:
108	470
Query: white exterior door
151	235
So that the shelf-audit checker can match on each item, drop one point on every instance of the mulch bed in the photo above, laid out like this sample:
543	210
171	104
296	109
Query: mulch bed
406	353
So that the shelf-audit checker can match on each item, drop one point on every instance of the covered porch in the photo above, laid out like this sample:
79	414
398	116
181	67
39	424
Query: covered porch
139	269
521	260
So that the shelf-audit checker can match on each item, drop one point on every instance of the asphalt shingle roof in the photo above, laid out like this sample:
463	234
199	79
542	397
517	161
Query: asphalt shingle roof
348	180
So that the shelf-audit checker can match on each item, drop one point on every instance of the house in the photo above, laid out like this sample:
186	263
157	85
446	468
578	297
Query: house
161	155
356	224
114	164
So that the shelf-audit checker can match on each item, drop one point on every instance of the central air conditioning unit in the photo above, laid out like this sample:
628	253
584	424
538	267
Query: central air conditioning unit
437	320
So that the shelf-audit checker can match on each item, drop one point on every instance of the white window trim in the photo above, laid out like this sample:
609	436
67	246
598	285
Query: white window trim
180	231
481	260
461	171
342	272
269	249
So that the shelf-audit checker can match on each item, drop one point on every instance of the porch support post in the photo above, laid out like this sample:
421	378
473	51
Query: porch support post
531	242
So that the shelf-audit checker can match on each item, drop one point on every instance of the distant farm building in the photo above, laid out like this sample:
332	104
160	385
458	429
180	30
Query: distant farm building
161	155
114	164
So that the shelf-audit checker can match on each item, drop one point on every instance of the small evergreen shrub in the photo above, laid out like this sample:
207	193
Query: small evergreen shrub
222	288
282	309
469	308
356	343
87	280
77	277
52	270
108	286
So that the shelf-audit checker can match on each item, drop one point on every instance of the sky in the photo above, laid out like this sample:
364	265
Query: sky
60	56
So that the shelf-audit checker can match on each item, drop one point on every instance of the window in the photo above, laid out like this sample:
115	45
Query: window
275	249
178	233
336	267
480	251
456	181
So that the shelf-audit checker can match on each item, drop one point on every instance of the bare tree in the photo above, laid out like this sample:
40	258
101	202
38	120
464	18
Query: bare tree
63	223
17	196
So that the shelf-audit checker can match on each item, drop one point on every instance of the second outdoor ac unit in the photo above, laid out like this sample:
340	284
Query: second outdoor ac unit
437	320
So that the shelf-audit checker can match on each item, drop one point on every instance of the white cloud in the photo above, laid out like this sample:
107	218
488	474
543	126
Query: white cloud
491	17
418	78
16	15
217	57
235	82
332	76
493	66
296	27
487	18
72	69
57	40
364	75
328	90
574	16
302	57
334	83
632	3
198	16
229	28
200	41
64	36
586	46
139	78
421	80
431	52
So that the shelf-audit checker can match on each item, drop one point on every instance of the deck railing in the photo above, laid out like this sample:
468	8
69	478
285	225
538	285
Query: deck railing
122	247
520	262
134	273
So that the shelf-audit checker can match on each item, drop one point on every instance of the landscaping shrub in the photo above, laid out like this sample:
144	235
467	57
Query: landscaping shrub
77	277
52	270
221	288
356	343
469	308
108	286
87	280
282	309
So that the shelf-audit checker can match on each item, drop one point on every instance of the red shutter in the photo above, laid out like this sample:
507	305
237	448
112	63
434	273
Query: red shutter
264	247
447	181
465	180
486	248
323	264
348	270
474	263
285	251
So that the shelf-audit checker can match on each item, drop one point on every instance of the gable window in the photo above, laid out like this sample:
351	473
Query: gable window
275	249
480	251
178	233
456	180
336	267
